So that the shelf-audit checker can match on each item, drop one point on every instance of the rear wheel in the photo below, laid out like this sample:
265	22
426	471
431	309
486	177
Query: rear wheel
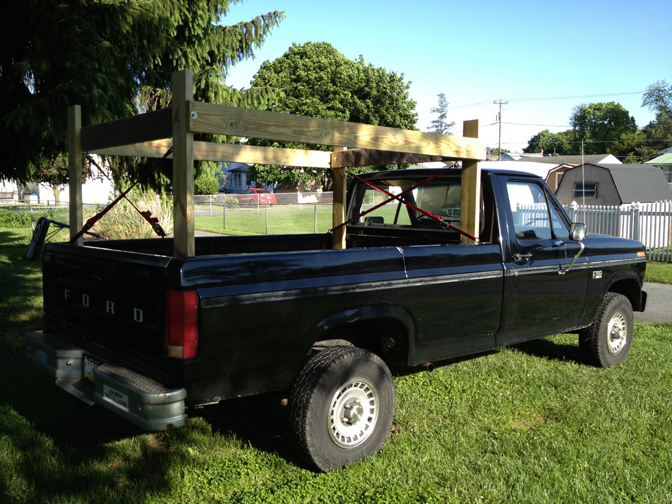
341	406
606	342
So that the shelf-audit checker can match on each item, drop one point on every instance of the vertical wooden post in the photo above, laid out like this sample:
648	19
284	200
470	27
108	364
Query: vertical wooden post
184	244
339	199
471	189
75	171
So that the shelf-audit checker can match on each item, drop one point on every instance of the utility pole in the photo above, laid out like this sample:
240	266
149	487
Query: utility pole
499	119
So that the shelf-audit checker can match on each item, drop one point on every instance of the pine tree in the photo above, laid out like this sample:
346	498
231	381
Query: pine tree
440	125
115	58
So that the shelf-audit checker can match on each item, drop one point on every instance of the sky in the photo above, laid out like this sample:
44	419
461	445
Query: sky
542	57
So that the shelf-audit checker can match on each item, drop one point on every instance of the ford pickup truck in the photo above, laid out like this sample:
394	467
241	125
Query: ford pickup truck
147	335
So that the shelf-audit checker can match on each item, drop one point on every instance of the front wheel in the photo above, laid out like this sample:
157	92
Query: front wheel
341	407
606	342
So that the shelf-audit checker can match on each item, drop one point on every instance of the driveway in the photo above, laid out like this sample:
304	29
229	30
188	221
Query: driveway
658	304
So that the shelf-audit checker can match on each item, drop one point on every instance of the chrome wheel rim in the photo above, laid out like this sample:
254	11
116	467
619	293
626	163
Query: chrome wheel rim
353	412
617	333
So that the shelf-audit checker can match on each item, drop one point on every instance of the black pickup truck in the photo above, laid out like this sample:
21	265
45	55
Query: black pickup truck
147	335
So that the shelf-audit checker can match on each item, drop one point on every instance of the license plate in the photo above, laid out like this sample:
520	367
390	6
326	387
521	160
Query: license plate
90	363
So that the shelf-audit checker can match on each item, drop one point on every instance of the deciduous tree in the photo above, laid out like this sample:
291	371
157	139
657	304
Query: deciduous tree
551	143
601	124
658	99
317	81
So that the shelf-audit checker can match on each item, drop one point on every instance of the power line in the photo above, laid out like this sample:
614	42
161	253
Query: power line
550	98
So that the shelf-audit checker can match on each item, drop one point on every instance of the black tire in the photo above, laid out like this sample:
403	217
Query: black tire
606	342
327	407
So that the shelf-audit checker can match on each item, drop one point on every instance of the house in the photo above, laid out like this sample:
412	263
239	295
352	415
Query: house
95	190
237	178
664	161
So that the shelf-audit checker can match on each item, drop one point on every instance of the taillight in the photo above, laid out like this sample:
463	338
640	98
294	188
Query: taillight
182	324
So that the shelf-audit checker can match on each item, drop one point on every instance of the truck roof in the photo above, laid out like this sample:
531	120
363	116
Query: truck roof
429	172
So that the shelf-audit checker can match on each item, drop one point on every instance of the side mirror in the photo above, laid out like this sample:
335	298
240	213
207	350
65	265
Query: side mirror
577	232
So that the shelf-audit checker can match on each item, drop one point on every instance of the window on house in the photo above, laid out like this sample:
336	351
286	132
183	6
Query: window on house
667	170
588	190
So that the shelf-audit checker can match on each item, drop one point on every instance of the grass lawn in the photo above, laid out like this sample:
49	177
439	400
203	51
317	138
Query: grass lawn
527	424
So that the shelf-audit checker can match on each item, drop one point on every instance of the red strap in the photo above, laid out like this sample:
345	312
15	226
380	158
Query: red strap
147	215
399	197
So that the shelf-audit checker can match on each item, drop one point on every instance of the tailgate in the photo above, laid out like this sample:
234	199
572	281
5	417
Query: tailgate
106	298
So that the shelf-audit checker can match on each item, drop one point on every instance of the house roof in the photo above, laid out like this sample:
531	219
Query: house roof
637	182
664	160
574	160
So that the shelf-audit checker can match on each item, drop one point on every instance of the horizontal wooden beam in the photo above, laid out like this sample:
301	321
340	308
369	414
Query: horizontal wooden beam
241	122
131	130
367	157
207	151
233	153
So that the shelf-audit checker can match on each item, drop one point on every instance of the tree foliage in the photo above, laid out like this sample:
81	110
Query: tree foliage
658	133
440	125
112	57
317	81
551	143
601	124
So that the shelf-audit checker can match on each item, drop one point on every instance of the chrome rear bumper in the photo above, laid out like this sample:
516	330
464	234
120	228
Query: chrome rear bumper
137	398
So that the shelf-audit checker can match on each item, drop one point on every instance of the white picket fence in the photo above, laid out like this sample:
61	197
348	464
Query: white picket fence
646	222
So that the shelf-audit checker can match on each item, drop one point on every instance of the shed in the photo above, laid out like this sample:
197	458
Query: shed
613	184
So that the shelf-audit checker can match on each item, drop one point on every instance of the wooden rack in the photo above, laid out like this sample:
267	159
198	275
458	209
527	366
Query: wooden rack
153	133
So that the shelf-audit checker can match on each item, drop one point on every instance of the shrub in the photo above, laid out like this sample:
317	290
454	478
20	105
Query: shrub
14	219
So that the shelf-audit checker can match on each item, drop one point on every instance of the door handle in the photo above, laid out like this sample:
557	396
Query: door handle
519	257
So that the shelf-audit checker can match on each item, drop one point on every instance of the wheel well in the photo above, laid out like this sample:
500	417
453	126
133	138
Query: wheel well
386	337
629	288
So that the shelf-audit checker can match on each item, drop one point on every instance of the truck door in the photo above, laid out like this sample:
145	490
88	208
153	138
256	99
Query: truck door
541	296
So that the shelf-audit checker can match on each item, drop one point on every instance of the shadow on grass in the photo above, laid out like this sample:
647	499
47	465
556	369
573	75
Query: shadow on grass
260	421
551	350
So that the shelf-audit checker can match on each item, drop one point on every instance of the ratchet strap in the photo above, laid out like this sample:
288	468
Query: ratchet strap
147	215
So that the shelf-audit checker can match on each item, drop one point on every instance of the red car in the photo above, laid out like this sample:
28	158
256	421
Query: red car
256	196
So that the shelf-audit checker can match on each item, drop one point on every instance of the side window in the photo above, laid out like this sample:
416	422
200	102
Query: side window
533	217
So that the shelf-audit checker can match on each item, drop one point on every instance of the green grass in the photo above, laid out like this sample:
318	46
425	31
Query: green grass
659	272
249	221
528	424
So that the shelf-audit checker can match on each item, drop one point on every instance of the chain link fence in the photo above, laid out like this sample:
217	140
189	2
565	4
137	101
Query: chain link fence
17	223
275	213
270	213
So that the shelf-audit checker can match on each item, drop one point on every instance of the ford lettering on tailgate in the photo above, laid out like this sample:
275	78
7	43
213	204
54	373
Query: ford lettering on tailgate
118	308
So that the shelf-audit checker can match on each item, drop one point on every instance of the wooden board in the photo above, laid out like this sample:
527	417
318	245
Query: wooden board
471	190
228	153
184	242
131	130
367	157
225	120
75	172
339	201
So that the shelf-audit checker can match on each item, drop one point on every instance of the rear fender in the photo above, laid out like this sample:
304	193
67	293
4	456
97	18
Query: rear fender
326	329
